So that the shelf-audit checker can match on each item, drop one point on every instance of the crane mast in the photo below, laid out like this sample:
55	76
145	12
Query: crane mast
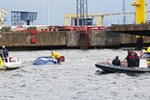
124	11
81	11
140	18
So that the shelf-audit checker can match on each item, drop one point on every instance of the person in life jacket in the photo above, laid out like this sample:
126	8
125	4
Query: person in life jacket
132	58
148	59
1	62
148	49
56	56
5	53
148	62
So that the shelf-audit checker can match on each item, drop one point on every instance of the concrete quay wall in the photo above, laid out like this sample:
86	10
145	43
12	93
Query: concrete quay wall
133	30
26	39
131	39
102	38
97	38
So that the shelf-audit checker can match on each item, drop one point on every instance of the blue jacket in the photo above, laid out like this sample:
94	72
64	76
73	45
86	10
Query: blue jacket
5	52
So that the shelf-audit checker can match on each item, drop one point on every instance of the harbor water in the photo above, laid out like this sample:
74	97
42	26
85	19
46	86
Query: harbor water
75	79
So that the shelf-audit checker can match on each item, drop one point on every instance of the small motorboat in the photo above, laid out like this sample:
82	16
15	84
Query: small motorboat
142	68
10	64
110	68
43	60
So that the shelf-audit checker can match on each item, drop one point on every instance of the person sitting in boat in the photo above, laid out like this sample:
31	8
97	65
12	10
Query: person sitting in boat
116	61
5	53
56	56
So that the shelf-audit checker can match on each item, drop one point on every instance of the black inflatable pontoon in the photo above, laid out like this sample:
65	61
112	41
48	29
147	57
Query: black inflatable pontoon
109	68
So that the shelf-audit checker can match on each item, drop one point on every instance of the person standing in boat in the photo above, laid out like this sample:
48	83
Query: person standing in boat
131	58
56	56
137	60
5	53
148	59
127	58
116	61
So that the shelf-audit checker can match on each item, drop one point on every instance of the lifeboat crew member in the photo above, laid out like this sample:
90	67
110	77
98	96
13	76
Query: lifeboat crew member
56	56
116	61
148	49
5	53
127	58
148	60
137	60
132	58
1	62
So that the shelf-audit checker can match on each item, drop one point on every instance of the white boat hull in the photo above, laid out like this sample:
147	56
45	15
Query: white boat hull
12	63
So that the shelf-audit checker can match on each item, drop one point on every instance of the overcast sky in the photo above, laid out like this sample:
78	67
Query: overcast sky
58	8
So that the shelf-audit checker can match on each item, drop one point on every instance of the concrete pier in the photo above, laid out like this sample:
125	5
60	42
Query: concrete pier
131	31
33	37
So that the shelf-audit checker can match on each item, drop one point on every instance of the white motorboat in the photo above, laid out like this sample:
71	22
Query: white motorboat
9	63
13	63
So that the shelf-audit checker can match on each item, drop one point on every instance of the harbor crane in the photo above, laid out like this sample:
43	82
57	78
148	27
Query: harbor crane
140	18
82	13
100	17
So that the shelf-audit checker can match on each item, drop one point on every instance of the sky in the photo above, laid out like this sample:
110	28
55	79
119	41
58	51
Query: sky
51	12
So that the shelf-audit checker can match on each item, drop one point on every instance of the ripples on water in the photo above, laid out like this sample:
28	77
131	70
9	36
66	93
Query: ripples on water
75	79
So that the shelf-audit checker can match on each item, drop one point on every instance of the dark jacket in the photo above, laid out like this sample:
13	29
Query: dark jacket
137	60
5	52
116	62
131	59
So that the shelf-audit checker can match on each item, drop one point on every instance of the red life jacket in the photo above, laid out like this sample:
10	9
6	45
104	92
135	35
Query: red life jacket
132	55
